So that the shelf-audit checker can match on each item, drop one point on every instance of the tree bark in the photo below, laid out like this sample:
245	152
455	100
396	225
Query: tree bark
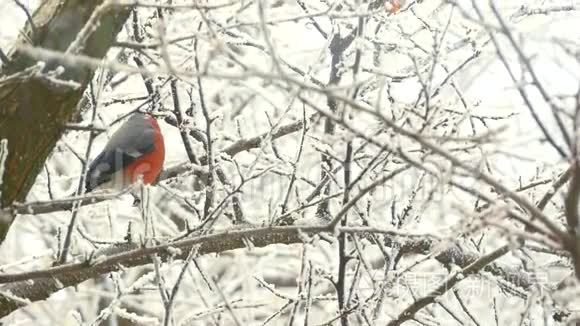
34	109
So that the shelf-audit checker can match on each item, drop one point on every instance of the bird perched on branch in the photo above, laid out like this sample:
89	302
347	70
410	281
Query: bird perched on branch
135	151
393	6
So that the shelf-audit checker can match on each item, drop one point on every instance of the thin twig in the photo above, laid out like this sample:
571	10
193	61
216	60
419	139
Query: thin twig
81	186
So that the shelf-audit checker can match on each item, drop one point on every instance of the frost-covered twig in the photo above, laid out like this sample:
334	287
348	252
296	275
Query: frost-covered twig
180	122
532	72
38	285
557	232
448	284
3	156
81	185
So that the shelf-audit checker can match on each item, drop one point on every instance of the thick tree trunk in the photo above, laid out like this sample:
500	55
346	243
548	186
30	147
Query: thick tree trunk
34	110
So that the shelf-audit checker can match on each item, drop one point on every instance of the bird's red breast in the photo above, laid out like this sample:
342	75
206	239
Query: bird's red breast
149	165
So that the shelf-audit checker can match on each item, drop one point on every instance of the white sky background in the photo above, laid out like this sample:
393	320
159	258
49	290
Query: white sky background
485	83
